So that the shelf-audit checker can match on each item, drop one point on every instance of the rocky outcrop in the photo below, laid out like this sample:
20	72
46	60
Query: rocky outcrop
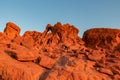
29	38
102	37
11	30
11	69
59	53
21	53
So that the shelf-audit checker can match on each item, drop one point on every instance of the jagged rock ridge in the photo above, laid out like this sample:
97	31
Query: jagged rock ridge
59	53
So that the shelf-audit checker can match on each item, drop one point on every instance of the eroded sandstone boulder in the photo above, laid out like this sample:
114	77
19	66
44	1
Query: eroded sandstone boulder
11	30
30	38
46	61
102	37
21	53
63	31
57	34
11	69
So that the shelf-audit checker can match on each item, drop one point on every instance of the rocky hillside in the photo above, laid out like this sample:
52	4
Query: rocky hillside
59	53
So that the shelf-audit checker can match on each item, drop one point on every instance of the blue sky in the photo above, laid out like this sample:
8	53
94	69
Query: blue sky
36	14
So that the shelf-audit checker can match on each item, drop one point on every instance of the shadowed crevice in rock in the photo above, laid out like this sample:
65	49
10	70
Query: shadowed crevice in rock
44	75
11	54
1	77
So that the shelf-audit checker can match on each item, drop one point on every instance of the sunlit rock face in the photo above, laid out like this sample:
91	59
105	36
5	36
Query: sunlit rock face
58	53
11	30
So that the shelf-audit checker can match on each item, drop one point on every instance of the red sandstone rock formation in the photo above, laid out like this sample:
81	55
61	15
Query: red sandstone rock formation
59	54
11	30
102	37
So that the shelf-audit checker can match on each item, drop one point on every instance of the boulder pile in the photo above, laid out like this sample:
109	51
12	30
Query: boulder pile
59	53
